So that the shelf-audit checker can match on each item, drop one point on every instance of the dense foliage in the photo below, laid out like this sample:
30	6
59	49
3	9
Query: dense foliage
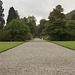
57	28
1	16
16	30
31	23
41	27
71	29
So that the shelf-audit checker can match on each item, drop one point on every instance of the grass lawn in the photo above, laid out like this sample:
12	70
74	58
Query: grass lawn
8	45
68	44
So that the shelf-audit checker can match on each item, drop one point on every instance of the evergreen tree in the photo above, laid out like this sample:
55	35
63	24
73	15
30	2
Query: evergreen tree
1	16
13	14
56	28
56	14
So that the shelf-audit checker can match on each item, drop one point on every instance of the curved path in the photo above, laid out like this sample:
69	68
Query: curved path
38	57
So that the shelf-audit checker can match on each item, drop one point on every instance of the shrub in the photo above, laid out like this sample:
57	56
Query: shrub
41	37
5	36
47	38
18	30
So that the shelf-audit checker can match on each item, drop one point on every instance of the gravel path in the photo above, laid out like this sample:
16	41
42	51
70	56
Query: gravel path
37	57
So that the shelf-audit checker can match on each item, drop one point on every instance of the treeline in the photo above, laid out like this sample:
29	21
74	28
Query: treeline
71	15
16	29
57	28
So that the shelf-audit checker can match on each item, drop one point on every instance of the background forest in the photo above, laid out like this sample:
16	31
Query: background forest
58	27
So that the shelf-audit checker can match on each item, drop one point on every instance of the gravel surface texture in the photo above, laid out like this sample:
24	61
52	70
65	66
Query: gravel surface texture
37	57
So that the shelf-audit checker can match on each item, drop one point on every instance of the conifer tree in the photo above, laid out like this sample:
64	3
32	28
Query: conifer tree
1	16
13	14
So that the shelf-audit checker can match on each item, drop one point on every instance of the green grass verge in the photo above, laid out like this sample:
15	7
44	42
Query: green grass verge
67	44
8	45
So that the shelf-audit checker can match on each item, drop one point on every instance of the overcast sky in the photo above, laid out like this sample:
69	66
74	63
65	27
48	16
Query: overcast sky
39	8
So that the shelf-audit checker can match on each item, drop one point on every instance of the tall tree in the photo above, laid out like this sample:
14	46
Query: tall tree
41	27
13	14
56	28
56	14
1	16
30	21
32	24
18	30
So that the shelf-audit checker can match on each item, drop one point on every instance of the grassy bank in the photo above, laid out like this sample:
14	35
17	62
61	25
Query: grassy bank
68	44
8	45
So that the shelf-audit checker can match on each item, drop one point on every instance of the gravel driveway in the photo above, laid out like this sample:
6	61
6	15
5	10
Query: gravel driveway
37	57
